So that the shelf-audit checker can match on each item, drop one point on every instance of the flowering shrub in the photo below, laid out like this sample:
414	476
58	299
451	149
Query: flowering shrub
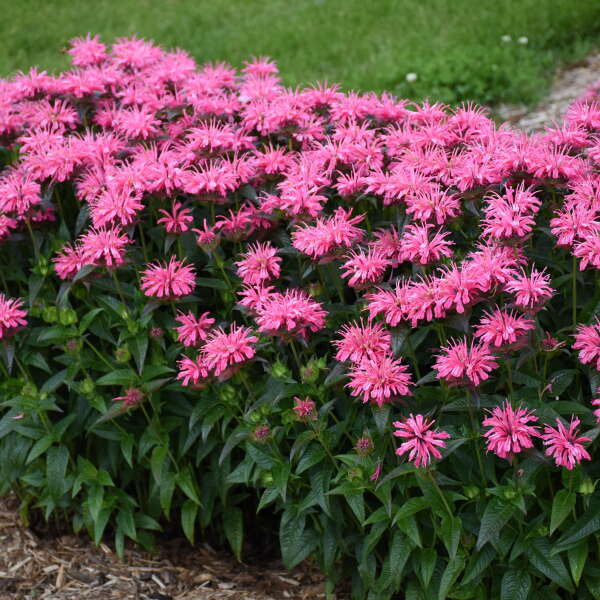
374	321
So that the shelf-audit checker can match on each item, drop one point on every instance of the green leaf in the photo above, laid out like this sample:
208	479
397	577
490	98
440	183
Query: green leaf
425	562
126	523
88	318
450	534
548	564
209	282
95	500
54	382
451	573
516	585
495	516
189	511
159	454
296	543
410	507
138	347
57	459
588	524
118	377
577	557
478	563
40	447
233	524
563	503
186	483
356	502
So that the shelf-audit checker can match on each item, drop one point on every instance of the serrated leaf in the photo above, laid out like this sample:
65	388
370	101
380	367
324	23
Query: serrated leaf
577	557
451	572
118	377
495	516
138	347
189	511
548	564
409	508
450	534
563	503
159	454
233	523
88	318
54	382
585	526
126	523
39	448
296	543
57	459
516	585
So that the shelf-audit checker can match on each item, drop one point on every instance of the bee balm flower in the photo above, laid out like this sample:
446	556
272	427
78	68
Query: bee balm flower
169	280
12	316
565	445
422	442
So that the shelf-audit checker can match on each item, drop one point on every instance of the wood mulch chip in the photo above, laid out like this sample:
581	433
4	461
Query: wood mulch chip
71	567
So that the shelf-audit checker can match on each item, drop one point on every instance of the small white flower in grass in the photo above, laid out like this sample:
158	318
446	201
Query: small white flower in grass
506	38
523	40
411	77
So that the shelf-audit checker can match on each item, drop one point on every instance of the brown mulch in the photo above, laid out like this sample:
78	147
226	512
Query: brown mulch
69	567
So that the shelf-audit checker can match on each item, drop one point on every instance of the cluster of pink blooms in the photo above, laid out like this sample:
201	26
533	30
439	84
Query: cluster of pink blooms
150	141
12	316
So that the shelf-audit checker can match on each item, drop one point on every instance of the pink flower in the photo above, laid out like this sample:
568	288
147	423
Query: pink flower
292	313
259	265
422	248
192	331
379	380
360	341
393	304
305	409
168	280
103	247
365	268
460	364
587	341
531	291
596	402
193	372
222	350
422	442
69	261
509	432
12	316
177	221
87	51
565	445
132	397
328	237
502	328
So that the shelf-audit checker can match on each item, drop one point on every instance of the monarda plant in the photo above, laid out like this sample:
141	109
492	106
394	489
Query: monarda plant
372	321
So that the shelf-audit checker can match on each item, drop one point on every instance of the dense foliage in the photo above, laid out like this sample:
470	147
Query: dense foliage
373	321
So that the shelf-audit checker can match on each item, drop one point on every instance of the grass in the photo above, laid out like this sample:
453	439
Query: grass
454	46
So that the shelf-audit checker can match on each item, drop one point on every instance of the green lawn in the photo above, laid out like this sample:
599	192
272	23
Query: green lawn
454	46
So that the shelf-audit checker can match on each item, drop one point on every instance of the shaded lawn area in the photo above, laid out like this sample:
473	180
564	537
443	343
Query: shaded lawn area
453	46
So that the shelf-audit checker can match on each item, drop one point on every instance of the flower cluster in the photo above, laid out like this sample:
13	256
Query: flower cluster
418	217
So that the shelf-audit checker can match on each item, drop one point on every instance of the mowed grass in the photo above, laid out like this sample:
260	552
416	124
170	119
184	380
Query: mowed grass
453	46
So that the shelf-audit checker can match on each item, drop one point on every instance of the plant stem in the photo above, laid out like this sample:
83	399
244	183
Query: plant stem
475	432
439	491
574	290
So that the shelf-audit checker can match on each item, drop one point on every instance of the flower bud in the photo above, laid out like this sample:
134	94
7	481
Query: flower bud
122	354
73	346
67	316
227	393
587	486
364	446
156	333
50	314
266	479
87	386
261	434
280	371
471	491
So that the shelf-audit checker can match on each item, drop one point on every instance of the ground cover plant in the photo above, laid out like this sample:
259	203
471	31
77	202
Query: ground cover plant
371	322
488	52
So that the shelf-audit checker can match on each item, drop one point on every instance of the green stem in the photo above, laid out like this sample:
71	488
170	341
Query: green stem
98	354
574	290
118	286
475	433
413	356
296	357
440	493
143	240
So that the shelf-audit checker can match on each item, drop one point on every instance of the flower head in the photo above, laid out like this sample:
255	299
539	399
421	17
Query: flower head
379	380
168	280
422	442
587	341
222	350
360	341
305	409
509	431
259	264
460	364
192	331
12	316
178	220
132	397
502	328
565	444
